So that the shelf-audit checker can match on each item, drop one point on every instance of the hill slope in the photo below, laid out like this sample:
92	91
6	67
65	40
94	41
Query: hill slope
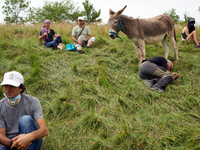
96	100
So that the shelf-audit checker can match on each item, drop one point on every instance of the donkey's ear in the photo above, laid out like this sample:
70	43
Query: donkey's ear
120	11
111	13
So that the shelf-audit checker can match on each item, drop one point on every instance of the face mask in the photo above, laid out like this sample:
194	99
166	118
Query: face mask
13	101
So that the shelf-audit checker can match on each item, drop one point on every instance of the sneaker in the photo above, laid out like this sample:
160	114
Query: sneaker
157	89
148	83
63	48
197	46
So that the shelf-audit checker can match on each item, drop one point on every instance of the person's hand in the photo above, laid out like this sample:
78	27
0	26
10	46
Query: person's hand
21	142
58	35
45	34
80	43
176	75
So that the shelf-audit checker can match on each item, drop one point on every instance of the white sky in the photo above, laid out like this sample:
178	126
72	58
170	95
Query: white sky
135	8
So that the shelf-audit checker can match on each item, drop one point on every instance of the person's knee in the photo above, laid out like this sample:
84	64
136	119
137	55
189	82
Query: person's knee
92	39
26	119
79	48
194	32
59	39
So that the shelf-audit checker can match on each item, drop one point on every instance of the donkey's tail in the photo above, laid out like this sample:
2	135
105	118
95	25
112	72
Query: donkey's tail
175	35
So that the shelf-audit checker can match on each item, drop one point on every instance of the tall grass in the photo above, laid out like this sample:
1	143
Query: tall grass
96	100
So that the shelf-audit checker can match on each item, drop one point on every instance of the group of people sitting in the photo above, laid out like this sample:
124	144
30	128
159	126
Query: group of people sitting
81	35
22	125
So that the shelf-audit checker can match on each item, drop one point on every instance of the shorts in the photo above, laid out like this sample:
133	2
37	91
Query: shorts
184	36
91	39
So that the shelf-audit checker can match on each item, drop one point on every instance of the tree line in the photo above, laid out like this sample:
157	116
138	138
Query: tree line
176	18
18	11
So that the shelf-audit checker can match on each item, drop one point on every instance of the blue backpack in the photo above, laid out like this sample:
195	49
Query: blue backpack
70	47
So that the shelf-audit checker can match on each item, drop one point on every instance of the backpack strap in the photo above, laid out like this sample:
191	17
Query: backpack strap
80	33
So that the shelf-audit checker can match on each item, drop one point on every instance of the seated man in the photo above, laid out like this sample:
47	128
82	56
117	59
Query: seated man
190	34
81	35
155	72
47	35
22	125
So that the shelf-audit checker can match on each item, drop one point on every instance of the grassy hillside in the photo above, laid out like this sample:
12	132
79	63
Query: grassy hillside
96	100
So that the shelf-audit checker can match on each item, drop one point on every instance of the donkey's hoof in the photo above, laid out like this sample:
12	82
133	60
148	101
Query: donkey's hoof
175	61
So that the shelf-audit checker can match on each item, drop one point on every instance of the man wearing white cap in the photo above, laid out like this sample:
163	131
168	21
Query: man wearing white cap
22	125
81	35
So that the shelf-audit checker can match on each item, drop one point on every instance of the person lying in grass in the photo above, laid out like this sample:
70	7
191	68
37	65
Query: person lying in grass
156	73
47	35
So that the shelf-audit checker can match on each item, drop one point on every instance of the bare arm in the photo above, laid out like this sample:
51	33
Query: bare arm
186	31
89	37
23	141
3	139
57	35
75	40
41	37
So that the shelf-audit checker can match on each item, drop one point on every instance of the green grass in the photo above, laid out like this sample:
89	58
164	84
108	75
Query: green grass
96	100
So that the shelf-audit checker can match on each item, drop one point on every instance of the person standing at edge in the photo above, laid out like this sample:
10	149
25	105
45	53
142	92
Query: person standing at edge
82	36
156	73
47	35
22	125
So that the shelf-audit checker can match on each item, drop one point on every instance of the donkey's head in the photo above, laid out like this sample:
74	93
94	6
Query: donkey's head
115	23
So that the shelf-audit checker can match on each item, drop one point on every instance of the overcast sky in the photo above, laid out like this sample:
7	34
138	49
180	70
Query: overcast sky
135	8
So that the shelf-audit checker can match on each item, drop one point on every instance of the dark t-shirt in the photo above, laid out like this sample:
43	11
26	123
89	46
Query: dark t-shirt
158	60
50	35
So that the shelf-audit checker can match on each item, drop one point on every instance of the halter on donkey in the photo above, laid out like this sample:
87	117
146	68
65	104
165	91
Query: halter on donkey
118	29
144	31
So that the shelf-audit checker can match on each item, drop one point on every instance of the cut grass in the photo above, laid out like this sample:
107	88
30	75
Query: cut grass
96	100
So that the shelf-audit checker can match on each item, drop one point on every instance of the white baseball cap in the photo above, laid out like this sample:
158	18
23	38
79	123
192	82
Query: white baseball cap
13	78
80	18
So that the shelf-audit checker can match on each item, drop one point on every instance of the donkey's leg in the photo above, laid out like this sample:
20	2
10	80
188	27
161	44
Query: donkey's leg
175	47
137	48
166	47
142	50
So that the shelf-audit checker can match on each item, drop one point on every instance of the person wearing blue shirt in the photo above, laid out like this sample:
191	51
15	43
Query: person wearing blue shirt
48	37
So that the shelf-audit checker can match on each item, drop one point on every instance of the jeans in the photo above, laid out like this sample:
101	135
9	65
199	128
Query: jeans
27	125
55	43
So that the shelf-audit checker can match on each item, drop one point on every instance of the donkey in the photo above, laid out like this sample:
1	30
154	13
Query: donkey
144	31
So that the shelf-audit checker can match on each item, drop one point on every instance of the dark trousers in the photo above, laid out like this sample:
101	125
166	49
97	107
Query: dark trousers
55	43
158	76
